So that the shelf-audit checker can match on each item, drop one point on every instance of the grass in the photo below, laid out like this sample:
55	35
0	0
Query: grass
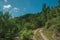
48	34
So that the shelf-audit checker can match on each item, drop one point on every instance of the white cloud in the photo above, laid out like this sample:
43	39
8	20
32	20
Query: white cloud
7	6
16	9
6	0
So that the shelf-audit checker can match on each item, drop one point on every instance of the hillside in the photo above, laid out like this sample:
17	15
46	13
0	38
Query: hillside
48	19
52	28
49	24
44	25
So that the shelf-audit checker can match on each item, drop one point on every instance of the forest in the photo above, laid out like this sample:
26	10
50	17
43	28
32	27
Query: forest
22	27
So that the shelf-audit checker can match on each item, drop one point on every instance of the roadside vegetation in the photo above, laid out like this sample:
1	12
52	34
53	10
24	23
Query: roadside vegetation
21	28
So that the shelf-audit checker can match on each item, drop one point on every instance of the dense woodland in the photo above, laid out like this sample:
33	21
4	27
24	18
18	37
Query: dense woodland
23	26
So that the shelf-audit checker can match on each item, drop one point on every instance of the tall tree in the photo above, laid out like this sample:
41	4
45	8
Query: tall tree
59	2
45	11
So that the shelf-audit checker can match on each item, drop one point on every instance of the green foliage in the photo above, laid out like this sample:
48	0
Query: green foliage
26	35
8	28
29	26
59	2
12	27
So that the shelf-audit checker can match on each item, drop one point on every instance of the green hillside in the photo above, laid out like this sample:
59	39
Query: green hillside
44	25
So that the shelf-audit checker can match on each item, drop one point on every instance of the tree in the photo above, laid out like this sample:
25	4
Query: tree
59	2
44	14
8	27
26	34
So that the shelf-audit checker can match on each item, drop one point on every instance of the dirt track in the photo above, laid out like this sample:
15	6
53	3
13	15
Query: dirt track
41	34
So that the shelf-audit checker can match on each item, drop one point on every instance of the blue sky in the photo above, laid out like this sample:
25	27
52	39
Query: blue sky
21	7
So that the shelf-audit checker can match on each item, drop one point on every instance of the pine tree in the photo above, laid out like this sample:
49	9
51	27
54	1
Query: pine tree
59	2
44	9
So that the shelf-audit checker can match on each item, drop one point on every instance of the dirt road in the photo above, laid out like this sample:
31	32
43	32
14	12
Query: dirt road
40	33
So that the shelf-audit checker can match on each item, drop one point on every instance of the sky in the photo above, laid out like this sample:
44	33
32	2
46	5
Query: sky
22	7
